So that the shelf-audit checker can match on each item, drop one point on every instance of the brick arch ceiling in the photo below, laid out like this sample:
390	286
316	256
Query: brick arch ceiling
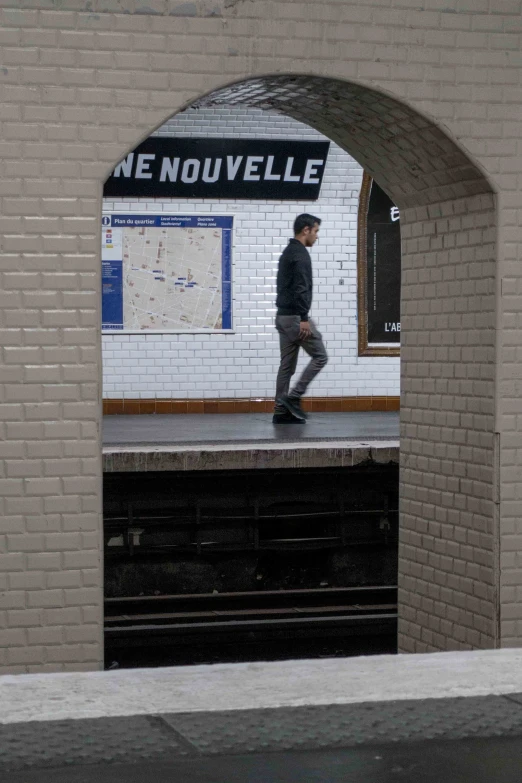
410	157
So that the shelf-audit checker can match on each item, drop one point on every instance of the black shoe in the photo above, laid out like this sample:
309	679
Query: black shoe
285	418
293	406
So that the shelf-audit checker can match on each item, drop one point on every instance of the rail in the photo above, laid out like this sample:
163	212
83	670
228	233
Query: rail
246	617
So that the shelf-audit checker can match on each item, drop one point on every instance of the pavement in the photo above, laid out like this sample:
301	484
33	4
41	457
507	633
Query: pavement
453	717
467	761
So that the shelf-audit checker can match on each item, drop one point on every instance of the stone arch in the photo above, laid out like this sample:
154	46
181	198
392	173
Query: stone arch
447	568
83	83
411	156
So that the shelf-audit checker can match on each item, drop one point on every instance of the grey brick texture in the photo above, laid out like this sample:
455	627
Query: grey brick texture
448	570
426	95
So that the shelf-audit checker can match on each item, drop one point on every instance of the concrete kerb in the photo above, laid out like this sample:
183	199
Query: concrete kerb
325	454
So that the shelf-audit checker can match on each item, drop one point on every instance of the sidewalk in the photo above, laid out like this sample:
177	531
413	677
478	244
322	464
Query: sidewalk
453	717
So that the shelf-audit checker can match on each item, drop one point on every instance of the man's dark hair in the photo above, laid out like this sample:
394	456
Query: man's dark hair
304	220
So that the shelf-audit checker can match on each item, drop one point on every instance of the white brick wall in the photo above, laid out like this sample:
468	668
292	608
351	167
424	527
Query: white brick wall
244	364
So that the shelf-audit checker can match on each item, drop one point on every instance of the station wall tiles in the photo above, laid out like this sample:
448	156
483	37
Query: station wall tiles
243	365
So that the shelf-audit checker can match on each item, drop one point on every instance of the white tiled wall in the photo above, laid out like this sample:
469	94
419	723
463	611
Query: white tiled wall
244	364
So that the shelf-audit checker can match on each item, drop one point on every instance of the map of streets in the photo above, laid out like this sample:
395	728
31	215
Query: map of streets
166	272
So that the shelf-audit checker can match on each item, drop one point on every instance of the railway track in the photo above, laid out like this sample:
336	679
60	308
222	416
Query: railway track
232	624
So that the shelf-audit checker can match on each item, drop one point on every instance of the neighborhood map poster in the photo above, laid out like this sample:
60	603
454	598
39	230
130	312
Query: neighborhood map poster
166	272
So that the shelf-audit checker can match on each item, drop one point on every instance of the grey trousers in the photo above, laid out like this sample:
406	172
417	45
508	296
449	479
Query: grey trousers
290	342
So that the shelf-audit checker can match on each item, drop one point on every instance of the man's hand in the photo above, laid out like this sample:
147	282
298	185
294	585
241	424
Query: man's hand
304	330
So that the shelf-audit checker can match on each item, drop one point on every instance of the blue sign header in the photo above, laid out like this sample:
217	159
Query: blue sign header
168	221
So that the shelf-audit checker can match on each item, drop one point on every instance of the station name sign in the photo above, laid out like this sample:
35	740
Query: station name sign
165	167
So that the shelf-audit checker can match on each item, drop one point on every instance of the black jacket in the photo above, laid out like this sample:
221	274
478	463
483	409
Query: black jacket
294	281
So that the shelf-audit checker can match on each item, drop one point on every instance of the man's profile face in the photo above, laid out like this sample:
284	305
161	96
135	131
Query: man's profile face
311	235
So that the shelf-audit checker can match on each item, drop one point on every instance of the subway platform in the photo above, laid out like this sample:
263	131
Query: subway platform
162	442
453	717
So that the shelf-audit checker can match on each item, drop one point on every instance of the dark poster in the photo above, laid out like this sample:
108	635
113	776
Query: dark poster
383	257
166	167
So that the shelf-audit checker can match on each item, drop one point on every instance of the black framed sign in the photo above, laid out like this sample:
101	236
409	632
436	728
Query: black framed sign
379	272
185	168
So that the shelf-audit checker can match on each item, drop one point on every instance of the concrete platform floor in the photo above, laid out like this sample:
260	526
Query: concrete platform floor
194	442
240	428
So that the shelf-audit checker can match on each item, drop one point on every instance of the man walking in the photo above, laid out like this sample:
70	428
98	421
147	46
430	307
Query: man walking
296	329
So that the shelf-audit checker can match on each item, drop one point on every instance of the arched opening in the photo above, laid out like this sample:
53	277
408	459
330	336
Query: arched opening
447	567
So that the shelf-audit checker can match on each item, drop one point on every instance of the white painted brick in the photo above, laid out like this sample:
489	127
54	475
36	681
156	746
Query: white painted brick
255	267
